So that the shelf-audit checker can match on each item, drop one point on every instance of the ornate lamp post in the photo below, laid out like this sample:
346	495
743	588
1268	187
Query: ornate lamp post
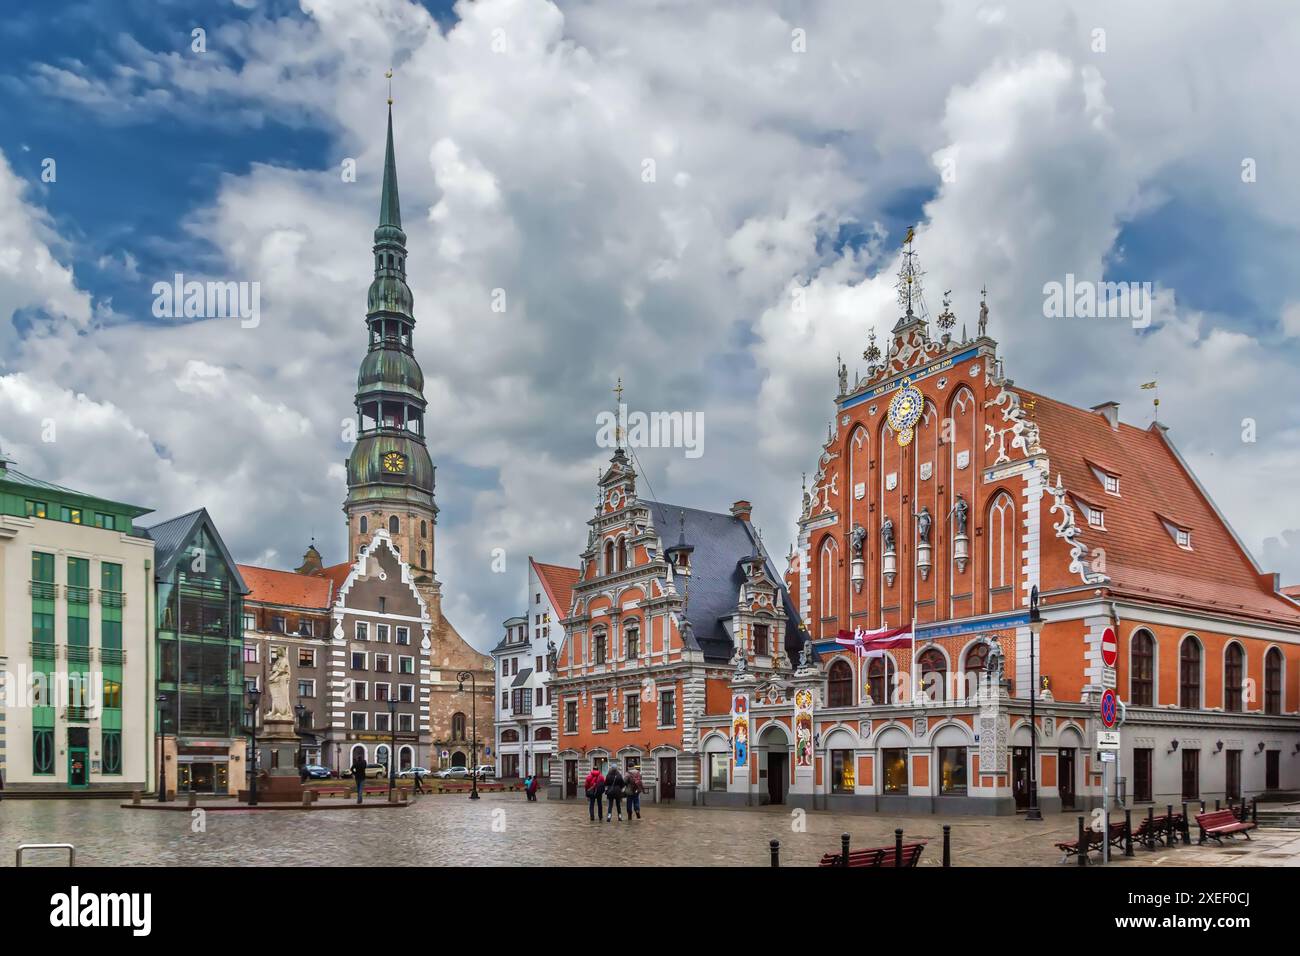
254	696
473	711
161	701
392	747
1035	629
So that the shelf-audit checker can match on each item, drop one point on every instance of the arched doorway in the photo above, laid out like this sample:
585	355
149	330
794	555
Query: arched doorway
357	751
381	756
773	752
404	758
458	759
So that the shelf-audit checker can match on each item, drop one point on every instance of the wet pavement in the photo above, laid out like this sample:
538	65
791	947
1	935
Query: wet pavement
503	829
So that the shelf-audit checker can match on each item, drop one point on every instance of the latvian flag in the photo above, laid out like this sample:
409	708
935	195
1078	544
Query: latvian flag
875	643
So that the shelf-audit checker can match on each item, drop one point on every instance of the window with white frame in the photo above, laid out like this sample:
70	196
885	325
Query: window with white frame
1184	538
1111	484
1096	517
381	632
359	720
406	665
406	723
406	693
363	631
403	635
382	691
250	653
382	720
383	663
358	660
306	688
360	690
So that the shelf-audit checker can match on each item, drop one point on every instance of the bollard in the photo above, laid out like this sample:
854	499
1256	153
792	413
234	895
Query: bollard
898	847
774	846
1187	839
1241	811
135	797
947	845
844	849
1128	832
1169	825
306	798
1149	838
1254	810
1083	843
1202	806
1216	806
193	801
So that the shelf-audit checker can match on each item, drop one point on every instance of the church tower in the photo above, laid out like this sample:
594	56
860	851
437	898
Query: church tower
390	475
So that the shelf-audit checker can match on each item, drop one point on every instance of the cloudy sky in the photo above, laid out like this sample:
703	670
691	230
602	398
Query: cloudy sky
791	144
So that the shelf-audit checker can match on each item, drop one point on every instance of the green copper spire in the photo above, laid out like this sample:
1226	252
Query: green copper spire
390	209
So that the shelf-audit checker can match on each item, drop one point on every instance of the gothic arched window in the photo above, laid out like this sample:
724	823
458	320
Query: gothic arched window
458	726
1273	681
622	554
363	524
424	529
1002	544
424	558
1234	666
1189	673
934	673
880	674
1142	658
392	525
827	569
839	685
609	557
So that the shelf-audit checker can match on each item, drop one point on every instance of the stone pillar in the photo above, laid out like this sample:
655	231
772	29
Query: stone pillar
742	737
806	690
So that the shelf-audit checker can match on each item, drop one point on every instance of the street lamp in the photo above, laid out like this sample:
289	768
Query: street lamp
392	747
1035	629
299	709
161	700
473	712
254	696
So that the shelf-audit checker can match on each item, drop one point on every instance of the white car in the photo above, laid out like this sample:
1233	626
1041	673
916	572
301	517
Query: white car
415	772
453	773
485	770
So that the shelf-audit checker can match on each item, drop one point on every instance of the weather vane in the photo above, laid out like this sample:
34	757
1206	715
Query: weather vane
909	277
389	76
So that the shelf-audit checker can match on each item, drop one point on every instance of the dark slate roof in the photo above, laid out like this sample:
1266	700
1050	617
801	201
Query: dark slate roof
721	543
171	537
522	677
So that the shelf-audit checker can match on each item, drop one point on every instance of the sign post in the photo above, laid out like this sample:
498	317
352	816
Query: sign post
1109	749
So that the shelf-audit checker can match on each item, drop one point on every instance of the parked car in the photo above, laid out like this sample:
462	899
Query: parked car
376	770
453	773
415	772
485	770
318	773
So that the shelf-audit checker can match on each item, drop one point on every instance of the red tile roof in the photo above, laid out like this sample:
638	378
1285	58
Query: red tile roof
1142	558
336	574
558	582
287	588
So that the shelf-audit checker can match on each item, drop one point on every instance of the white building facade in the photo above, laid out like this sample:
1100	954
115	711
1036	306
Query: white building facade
525	658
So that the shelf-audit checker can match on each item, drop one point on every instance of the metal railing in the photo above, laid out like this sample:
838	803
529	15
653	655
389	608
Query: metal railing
23	848
112	655
44	589
112	598
77	594
44	649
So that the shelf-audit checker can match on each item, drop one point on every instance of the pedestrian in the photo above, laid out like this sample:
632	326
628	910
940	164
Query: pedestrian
416	775
594	787
302	772
615	785
359	774
635	787
533	786
528	787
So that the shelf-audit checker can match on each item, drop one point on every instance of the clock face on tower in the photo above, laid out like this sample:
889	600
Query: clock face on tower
394	463
615	497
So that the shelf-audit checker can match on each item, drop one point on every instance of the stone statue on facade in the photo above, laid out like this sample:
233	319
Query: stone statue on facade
856	539
962	511
984	318
844	378
887	533
923	524
277	682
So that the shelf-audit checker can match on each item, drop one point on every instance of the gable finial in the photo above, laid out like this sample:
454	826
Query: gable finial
389	76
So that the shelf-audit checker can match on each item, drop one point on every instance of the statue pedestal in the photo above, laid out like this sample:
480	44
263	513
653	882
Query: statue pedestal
277	748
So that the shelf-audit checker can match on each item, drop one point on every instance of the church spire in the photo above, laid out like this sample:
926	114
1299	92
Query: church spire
390	208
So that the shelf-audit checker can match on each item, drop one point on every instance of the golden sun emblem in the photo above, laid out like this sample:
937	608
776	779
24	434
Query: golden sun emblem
394	463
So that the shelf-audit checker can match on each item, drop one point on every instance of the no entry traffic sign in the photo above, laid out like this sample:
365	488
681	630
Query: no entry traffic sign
1109	648
1108	709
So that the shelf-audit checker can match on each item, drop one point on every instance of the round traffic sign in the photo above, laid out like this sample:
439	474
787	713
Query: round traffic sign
1109	709
1109	648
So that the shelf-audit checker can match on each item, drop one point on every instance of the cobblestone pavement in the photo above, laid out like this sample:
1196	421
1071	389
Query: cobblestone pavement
504	829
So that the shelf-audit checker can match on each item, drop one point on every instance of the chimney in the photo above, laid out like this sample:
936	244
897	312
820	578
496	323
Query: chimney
741	510
1110	412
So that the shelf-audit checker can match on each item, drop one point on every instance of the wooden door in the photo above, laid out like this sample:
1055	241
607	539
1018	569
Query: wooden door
570	778
1020	776
1272	778
1191	774
1065	777
777	770
1233	785
667	778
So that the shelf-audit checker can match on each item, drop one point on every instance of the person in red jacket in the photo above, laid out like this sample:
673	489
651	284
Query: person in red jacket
595	789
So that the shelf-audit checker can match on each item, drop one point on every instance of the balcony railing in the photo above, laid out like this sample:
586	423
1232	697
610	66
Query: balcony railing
79	714
44	589
112	598
76	594
78	654
112	655
43	649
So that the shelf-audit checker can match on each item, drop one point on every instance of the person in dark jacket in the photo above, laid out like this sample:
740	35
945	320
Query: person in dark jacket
534	784
359	774
635	787
594	787
615	786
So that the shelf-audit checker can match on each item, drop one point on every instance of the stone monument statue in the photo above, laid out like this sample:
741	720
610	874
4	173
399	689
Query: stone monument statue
962	510
277	682
887	532
923	524
856	538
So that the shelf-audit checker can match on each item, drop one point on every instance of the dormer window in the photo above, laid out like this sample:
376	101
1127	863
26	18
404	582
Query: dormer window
1183	537
1096	517
1111	483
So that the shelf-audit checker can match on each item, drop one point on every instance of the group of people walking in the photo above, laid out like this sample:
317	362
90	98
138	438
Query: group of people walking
612	788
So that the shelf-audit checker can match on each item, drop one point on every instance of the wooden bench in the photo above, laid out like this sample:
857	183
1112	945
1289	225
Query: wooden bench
1069	848
1220	823
1153	830
881	857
